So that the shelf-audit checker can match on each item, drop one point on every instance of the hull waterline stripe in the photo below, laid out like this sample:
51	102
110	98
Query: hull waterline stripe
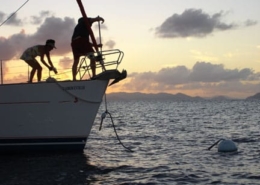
11	103
43	140
42	102
43	137
37	144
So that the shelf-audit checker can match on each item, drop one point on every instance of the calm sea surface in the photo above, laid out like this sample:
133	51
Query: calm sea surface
169	141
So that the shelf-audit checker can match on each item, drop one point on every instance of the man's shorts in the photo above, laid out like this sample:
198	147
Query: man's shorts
81	47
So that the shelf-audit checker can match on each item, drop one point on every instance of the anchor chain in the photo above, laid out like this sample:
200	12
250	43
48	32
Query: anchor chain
103	116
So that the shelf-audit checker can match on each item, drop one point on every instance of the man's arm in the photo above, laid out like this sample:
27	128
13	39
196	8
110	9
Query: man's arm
43	61
49	59
97	19
50	62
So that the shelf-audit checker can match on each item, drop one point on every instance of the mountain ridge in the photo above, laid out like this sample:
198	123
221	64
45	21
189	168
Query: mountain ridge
164	96
254	97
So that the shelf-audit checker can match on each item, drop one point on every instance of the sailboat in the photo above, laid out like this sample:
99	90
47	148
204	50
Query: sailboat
56	115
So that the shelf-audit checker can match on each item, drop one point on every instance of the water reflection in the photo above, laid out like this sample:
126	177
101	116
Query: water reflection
57	168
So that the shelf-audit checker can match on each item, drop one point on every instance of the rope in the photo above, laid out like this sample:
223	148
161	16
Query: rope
103	117
215	143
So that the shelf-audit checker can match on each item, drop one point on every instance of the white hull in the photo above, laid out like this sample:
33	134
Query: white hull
42	116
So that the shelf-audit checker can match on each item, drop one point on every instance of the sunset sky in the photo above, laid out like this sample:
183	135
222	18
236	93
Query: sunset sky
196	47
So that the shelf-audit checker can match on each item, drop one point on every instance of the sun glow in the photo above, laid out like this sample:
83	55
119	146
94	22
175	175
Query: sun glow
17	71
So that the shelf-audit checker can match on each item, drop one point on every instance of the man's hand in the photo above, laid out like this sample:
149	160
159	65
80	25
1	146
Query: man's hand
53	69
101	19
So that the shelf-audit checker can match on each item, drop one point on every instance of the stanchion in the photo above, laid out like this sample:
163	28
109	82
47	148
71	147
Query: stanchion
1	66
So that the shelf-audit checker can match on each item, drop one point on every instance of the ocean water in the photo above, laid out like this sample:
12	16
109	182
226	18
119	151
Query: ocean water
169	141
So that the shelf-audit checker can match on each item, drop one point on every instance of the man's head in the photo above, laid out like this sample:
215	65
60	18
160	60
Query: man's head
81	20
51	43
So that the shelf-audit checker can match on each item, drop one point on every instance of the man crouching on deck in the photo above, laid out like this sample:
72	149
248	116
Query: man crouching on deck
39	50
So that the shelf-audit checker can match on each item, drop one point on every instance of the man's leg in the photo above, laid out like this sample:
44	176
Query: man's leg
32	75
93	66
39	73
74	67
34	65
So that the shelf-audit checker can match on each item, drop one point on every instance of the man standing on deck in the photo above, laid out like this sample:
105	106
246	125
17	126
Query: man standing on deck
81	45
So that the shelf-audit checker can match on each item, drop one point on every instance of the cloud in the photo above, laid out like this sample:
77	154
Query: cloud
10	47
2	15
59	29
66	63
52	28
192	23
202	72
12	19
250	23
102	27
64	68
38	19
203	76
207	72
110	44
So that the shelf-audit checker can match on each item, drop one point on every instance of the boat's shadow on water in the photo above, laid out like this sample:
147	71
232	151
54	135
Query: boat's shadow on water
45	168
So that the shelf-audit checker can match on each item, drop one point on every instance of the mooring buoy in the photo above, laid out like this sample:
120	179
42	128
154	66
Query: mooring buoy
227	145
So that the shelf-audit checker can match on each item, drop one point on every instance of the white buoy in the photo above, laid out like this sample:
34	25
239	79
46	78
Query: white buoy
227	146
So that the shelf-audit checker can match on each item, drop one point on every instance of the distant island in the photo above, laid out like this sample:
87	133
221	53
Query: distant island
254	97
167	96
